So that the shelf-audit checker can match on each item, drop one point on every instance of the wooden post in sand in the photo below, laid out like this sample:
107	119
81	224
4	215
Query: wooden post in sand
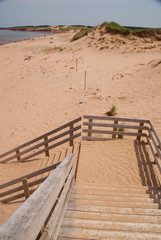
76	65
18	157
26	188
140	131
90	128
85	80
114	129
71	135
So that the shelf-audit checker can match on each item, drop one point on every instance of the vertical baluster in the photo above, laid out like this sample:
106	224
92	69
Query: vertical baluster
71	135
26	187
114	129
46	146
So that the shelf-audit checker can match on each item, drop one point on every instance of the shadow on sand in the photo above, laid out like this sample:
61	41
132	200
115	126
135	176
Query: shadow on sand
146	165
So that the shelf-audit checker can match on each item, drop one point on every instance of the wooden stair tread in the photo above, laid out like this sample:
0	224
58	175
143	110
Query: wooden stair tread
84	233
111	225
110	198
124	210
113	216
113	203
112	212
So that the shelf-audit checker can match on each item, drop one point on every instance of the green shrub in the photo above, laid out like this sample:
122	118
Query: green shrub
80	34
112	111
120	130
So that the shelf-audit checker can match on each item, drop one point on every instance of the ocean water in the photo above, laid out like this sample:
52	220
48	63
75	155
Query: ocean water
14	36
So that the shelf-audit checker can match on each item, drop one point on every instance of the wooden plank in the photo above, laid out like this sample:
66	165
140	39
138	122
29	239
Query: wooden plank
30	175
20	188
44	236
41	137
110	225
15	197
35	210
26	188
113	217
115	118
95	234
156	135
41	144
52	146
60	220
53	225
115	129
115	132
43	150
115	125
77	160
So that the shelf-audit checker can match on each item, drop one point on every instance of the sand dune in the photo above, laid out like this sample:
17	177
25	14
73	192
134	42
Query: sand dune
40	89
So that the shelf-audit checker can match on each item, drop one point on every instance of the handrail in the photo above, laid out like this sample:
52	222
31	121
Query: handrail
114	129
94	125
45	203
19	152
16	190
116	118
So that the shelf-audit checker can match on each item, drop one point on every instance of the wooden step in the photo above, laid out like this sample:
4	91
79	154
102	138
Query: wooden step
111	194
116	189
109	198
130	210
113	203
85	184
113	217
112	212
83	233
110	225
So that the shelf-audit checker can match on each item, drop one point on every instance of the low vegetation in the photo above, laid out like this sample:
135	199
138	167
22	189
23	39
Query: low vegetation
112	111
106	27
83	32
120	130
115	28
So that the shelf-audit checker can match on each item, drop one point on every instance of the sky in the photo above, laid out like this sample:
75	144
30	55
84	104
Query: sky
141	13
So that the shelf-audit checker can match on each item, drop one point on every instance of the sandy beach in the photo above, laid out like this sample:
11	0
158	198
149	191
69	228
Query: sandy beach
42	87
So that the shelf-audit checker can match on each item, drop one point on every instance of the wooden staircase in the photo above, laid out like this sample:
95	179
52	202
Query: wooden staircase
112	212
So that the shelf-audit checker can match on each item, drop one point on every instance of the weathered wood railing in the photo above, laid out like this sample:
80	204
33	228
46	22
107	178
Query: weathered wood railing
111	127
40	216
155	144
44	143
22	187
99	128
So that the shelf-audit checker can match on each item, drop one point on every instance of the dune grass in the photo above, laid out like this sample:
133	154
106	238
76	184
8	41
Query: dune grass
83	32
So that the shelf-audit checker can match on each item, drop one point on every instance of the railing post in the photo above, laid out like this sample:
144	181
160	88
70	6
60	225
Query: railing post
18	157
114	129
46	146
140	131
90	128
71	135
26	188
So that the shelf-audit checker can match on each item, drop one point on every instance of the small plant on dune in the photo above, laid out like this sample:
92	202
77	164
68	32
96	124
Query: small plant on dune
61	49
112	111
120	130
83	32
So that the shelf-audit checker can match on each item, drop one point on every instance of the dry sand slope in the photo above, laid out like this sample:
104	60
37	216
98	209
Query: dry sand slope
46	91
41	93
